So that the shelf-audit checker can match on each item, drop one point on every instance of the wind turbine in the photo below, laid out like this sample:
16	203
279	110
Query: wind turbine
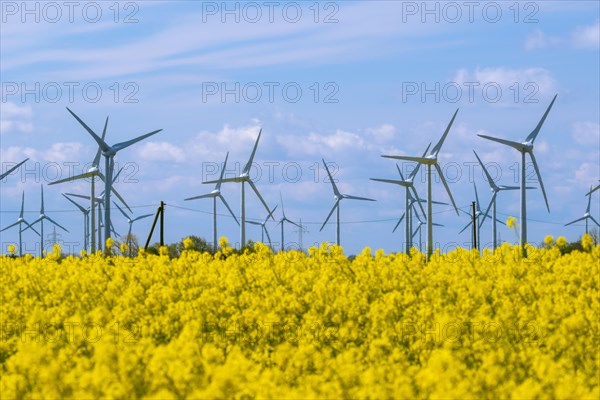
109	153
41	219
478	214
593	190
526	147
20	221
243	178
92	173
216	193
336	206
283	220
418	229
130	222
408	184
432	160
98	201
86	220
587	214
10	171
263	226
495	189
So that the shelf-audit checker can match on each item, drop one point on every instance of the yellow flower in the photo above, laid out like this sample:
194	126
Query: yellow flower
587	242
109	243
511	222
12	249
83	253
163	251
561	241
188	244
549	240
223	242
55	254
124	248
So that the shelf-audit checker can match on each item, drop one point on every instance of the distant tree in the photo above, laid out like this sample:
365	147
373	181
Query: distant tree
200	244
131	240
595	234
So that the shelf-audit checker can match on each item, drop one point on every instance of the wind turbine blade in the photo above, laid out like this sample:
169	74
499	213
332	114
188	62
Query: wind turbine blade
81	196
204	196
42	196
439	170
33	223
10	226
22	204
117	175
400	172
434	224
336	204
487	174
249	163
577	220
537	171
416	170
236	179
476	197
418	200
82	209
10	171
76	177
347	196
218	185
141	217
466	226
335	188
253	186
112	189
514	145
503	187
96	161
531	137
228	208
409	158
122	145
439	144
31	226
593	219
105	147
253	223
282	207
122	212
57	224
270	215
593	190
487	210
398	223
268	236
587	210
393	181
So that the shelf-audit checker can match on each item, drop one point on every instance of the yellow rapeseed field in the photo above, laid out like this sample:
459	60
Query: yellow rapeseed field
290	325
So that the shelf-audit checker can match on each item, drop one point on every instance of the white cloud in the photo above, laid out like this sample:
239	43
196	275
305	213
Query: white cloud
587	36
161	151
582	37
383	133
539	40
586	133
587	173
506	78
15	119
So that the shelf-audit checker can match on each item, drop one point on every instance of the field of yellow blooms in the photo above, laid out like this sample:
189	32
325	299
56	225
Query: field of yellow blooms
290	325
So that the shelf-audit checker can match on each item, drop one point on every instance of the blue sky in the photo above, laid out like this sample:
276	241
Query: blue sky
344	81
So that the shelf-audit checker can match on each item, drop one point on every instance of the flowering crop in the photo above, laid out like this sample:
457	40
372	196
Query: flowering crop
291	325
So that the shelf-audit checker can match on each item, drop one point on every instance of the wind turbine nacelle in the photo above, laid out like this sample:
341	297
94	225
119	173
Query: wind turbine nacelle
93	169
